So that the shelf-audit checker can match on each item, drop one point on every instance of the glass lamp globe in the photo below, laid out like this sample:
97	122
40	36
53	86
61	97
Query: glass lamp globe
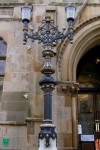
26	13
70	12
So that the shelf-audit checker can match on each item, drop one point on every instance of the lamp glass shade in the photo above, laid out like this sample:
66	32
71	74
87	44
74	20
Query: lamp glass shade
70	11
26	13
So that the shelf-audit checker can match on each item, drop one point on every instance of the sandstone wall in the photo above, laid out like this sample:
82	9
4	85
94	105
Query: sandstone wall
22	72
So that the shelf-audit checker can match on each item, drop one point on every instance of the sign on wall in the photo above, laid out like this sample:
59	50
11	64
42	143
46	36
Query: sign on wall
87	138
79	129
5	141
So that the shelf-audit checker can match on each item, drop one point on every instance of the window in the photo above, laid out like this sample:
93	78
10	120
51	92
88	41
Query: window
3	52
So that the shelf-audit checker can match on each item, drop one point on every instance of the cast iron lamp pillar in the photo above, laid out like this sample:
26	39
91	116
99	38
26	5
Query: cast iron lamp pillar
47	34
47	135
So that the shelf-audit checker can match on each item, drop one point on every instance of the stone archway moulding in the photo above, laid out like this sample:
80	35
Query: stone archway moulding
86	36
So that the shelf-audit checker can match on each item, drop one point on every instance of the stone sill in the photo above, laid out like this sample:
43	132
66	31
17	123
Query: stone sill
76	4
10	19
13	4
34	119
13	123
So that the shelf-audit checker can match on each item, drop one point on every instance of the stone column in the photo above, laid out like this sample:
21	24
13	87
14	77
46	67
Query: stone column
74	117
69	89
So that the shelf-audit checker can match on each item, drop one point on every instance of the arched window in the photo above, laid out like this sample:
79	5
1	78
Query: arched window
3	52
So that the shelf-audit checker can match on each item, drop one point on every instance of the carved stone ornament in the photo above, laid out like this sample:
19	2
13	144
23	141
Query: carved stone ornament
67	87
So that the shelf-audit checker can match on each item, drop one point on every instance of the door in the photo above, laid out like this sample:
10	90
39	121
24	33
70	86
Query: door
88	118
97	122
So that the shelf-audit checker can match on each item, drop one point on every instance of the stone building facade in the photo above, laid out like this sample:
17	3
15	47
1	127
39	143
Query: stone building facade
21	103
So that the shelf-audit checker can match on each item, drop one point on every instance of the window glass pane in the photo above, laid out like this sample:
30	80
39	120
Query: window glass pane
86	113
85	103
3	47
2	66
98	106
1	88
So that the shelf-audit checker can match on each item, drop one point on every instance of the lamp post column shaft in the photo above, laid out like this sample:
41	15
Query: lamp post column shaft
47	135
48	105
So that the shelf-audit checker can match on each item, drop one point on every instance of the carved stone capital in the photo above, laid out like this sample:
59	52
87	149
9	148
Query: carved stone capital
67	87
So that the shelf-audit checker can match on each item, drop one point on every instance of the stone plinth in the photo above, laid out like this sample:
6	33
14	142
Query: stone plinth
13	136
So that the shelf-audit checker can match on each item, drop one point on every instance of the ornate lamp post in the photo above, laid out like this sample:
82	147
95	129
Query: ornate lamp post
47	34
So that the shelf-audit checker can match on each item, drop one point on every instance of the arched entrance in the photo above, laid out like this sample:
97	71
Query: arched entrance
87	36
88	77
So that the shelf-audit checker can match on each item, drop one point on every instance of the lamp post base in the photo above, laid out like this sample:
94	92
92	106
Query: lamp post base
47	137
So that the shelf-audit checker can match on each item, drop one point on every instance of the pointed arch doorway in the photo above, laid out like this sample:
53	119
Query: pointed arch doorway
86	37
88	77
